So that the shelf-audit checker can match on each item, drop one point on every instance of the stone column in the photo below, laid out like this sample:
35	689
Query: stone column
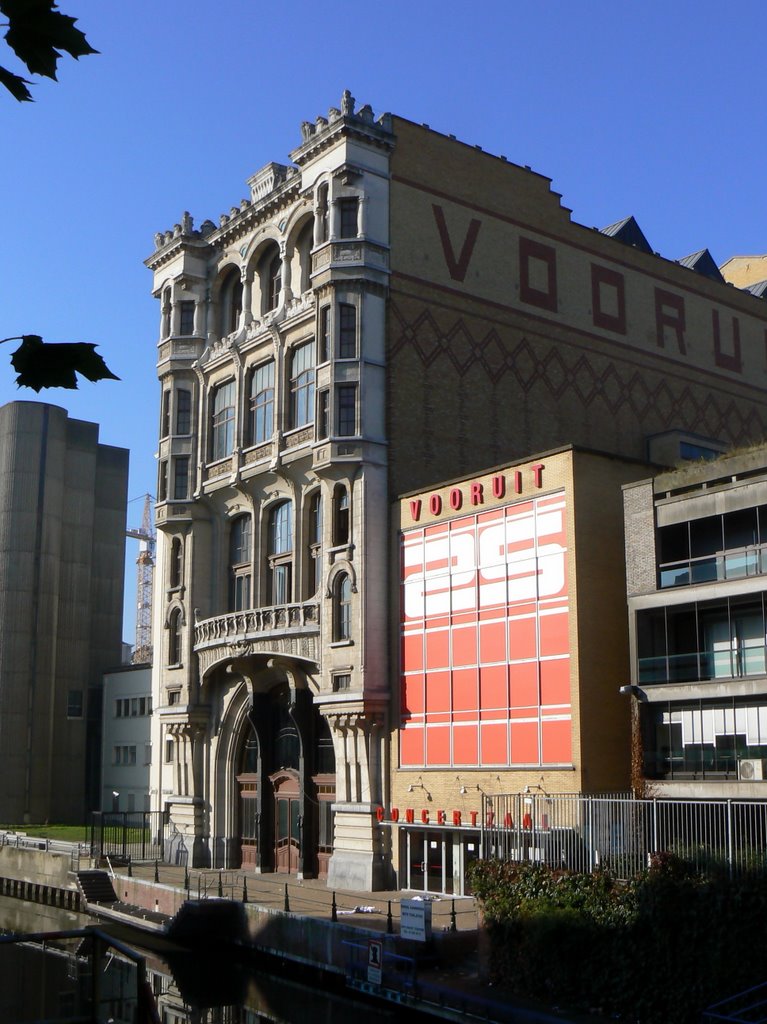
286	291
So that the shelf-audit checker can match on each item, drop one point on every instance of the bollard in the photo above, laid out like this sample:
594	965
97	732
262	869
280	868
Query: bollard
389	920
220	885
130	868
156	872
186	876
333	909
244	890
453	925
287	901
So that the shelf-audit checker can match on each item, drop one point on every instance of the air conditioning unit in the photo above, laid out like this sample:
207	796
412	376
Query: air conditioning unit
752	769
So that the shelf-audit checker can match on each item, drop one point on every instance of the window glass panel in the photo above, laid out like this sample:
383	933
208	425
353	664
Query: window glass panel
347	410
347	331
183	411
280	540
705	536
223	421
181	478
262	403
348	218
302	385
186	317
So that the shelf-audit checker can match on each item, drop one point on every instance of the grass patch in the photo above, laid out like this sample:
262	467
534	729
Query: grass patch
69	833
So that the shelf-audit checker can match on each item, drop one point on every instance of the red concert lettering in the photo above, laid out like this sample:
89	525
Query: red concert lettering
724	359
490	818
441	818
456	267
409	815
456	817
435	504
380	813
395	814
415	508
538	474
517	482
499	484
425	816
669	313
527	820
507	822
473	816
456	498
476	494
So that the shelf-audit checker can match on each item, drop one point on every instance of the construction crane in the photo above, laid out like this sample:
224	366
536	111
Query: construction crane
142	652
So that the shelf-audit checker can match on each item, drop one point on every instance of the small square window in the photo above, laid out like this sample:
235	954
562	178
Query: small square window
174	697
342	682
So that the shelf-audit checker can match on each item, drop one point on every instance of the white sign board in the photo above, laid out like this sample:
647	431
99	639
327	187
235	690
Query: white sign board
375	959
415	920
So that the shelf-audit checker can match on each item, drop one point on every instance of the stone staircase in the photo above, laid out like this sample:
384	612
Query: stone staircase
96	887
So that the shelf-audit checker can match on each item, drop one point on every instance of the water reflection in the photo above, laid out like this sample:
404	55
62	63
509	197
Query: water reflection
82	980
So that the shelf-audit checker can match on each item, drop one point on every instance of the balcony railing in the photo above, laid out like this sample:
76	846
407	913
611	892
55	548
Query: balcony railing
724	565
255	623
736	662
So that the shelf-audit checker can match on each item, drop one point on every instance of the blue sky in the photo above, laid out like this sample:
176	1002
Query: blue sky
653	109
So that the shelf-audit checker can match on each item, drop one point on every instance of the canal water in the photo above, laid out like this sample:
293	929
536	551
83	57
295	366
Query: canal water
62	980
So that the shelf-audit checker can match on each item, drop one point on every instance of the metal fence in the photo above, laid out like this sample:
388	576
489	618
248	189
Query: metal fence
128	835
620	832
20	840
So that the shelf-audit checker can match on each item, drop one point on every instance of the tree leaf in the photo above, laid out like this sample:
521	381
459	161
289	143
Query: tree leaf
15	84
37	32
41	364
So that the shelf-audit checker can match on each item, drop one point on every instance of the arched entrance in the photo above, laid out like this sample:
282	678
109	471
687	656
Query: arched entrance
285	776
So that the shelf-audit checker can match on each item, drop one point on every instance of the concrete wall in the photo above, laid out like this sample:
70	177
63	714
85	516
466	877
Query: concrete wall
37	866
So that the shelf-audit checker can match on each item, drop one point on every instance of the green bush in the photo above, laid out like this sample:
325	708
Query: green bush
657	949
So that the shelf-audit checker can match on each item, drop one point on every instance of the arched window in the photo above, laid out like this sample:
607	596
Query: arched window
261	413
280	555
314	533
270	276
176	563
342	607
230	302
222	421
340	515
302	385
174	637
240	569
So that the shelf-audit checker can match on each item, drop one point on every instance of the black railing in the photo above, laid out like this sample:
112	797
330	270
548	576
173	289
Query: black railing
124	836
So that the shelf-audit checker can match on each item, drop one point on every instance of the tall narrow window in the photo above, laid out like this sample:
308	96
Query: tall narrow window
324	339
174	637
167	309
323	404
302	385
342	607
270	278
183	411
280	561
222	424
165	417
347	410
230	302
162	481
315	543
240	571
261	417
348	217
340	515
186	317
322	214
180	477
347	331
304	250
176	563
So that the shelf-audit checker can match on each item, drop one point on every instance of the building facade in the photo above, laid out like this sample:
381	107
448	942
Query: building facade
696	558
126	741
62	547
393	309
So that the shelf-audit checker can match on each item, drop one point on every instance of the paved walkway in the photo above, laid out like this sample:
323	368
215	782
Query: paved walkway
311	897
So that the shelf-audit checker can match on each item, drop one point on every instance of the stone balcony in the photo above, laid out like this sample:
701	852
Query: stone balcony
291	630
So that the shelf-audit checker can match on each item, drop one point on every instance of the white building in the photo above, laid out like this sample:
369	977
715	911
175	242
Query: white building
126	745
